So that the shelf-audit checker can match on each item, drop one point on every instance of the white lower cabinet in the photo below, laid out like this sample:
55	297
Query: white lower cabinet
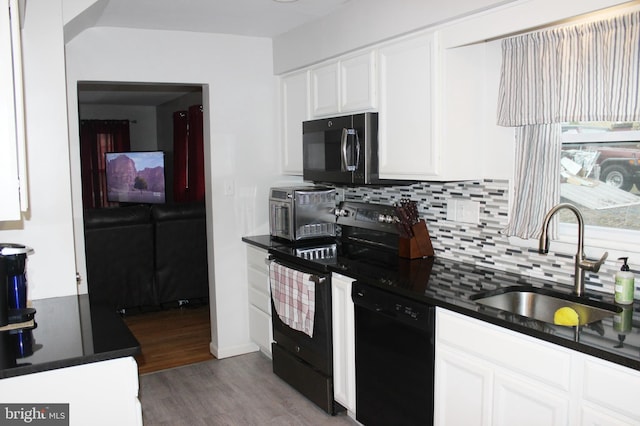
98	393
344	346
488	375
260	330
461	381
610	393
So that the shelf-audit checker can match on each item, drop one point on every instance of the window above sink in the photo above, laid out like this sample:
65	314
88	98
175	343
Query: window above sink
600	174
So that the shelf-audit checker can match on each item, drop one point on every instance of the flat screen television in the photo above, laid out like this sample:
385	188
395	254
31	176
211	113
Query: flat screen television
135	177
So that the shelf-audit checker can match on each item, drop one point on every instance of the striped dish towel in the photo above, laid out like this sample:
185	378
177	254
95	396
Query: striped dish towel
293	295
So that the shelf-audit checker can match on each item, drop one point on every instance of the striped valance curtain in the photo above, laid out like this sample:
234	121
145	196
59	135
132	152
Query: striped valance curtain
588	72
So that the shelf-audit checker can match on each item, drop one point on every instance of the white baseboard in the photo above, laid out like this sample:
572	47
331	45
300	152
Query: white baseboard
221	353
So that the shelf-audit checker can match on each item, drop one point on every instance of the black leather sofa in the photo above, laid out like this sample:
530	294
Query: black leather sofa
180	252
146	256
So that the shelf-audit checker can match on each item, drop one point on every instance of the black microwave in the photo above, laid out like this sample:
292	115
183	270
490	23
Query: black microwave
341	150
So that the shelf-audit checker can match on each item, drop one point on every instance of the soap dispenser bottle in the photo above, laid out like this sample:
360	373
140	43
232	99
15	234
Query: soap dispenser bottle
625	284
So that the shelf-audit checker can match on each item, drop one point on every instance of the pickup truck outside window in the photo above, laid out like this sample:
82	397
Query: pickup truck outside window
600	173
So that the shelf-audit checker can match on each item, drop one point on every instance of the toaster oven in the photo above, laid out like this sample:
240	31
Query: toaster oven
299	213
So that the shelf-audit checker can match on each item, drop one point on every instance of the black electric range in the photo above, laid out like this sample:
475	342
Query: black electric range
366	261
367	234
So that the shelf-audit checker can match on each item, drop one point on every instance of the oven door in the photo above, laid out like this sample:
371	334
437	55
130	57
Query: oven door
314	350
304	362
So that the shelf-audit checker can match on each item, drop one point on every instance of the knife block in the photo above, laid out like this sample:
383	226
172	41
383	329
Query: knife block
419	245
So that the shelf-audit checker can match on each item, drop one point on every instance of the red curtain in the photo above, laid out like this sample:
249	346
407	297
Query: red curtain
98	137
188	155
180	157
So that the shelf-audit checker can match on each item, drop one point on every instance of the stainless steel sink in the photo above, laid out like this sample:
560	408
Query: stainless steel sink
541	304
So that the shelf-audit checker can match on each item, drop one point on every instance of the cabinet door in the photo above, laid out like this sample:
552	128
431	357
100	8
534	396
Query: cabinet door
358	83
518	401
468	381
11	116
344	368
503	377
294	109
260	329
609	392
325	87
406	89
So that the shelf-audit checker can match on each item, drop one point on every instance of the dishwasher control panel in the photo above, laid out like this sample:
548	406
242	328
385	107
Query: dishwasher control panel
392	305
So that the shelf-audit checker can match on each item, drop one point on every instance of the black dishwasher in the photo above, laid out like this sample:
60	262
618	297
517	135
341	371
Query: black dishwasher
395	353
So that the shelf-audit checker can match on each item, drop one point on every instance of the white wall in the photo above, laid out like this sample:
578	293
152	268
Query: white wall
47	227
363	22
239	99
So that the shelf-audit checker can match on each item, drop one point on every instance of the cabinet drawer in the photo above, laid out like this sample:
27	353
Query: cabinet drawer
256	258
258	280
529	356
260	329
260	300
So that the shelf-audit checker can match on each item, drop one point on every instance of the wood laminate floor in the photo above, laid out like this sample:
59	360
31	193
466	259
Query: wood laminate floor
236	391
181	383
172	337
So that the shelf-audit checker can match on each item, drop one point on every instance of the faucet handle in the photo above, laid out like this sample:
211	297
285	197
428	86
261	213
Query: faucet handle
593	265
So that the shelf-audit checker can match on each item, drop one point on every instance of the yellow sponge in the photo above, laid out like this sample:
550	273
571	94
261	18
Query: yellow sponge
566	316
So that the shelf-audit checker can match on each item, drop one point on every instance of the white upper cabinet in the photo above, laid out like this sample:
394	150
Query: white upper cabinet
334	88
325	87
12	130
343	86
407	148
358	83
294	95
432	122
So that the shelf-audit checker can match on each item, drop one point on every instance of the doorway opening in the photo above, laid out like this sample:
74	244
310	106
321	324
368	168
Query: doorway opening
157	280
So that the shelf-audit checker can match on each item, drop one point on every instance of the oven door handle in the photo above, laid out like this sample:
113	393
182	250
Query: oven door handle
318	279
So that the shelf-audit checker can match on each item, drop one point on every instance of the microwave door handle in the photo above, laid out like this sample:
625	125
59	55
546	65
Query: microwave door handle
343	149
357	162
344	145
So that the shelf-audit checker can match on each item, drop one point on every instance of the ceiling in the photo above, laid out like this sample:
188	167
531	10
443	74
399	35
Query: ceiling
258	18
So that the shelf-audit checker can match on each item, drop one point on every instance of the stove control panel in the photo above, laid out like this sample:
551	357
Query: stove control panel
369	216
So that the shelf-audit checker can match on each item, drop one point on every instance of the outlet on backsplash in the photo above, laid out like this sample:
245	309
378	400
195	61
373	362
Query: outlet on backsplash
465	211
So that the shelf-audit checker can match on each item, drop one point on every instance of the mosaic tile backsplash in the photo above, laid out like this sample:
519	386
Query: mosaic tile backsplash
482	243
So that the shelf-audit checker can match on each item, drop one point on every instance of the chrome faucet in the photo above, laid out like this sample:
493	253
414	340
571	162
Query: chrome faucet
581	263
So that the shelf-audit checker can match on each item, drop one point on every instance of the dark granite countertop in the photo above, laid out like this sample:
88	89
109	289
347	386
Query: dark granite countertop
69	331
450	285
